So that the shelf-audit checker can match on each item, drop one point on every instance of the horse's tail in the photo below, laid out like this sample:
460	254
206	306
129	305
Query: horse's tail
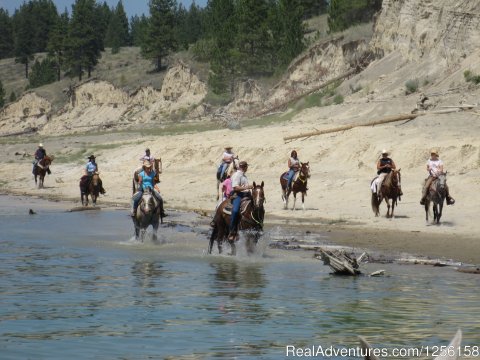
375	204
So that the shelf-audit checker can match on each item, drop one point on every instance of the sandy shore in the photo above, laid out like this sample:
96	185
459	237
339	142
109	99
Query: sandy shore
342	166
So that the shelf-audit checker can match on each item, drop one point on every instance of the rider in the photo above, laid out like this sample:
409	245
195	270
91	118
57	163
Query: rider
145	180
293	166
147	156
39	154
434	168
384	166
90	169
227	158
242	189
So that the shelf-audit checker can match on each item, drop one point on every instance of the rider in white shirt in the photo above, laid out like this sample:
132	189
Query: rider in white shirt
434	168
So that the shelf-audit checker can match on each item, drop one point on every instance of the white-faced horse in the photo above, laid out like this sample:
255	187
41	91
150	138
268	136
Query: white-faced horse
148	213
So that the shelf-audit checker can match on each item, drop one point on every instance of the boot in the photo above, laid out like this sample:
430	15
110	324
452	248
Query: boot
422	201
450	200
102	191
48	171
132	211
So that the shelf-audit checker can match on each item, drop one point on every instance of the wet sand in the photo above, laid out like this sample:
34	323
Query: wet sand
391	244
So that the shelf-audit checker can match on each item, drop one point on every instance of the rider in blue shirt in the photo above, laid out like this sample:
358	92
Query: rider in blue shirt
92	168
146	179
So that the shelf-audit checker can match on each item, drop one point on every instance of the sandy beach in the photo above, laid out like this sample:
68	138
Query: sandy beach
342	166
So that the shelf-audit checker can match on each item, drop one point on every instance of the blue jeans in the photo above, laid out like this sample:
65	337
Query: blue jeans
291	175
235	210
221	170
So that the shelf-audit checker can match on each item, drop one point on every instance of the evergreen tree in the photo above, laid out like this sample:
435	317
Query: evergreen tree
12	97
139	26
253	38
24	46
6	34
2	95
117	31
290	39
42	73
57	42
182	28
84	45
194	26
160	40
103	16
42	20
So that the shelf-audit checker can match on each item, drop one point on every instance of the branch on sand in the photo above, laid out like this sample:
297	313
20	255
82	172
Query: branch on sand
385	120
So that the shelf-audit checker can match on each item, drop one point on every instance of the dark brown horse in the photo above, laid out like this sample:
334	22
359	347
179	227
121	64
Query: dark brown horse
436	195
298	185
390	191
251	219
90	187
148	213
41	169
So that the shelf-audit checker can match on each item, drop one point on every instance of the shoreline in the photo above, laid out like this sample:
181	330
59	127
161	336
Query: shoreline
387	242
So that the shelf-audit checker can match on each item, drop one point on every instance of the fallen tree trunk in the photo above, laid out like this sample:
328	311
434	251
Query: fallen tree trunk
385	120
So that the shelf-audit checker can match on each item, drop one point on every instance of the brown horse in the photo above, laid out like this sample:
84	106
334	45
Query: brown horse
251	218
390	191
148	213
41	169
90	187
298	185
436	195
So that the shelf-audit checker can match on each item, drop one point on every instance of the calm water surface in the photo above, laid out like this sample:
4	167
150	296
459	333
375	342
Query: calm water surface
75	285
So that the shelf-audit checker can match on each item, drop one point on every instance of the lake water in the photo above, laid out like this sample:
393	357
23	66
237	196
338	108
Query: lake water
76	285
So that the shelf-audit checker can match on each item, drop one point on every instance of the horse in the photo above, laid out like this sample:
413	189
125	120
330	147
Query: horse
231	168
158	170
390	190
436	195
148	213
89	186
299	184
41	168
251	219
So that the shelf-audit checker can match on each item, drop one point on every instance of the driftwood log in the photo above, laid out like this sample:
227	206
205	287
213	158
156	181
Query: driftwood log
340	262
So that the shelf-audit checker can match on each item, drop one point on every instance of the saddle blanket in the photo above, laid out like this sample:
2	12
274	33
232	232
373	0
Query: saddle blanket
243	206
295	177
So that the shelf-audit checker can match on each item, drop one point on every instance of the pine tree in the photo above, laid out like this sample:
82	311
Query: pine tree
24	46
2	95
291	37
44	15
117	31
160	40
84	45
6	35
57	42
42	73
12	97
194	26
139	26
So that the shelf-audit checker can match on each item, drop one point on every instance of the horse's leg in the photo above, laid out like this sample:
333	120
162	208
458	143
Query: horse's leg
294	200
303	201
440	212
155	229
388	207
212	238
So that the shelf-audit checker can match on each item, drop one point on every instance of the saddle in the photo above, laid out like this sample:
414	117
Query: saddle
243	206
295	177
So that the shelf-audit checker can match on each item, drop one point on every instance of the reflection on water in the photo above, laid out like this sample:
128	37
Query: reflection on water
79	291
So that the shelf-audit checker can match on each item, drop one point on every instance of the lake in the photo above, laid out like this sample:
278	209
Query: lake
76	285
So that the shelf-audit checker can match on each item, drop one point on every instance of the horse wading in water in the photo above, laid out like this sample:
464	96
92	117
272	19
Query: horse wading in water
299	184
390	190
148	213
41	169
252	215
436	195
91	188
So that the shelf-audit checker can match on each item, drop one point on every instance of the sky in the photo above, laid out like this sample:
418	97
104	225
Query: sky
132	7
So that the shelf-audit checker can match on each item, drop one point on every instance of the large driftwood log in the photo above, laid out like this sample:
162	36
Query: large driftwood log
340	262
385	120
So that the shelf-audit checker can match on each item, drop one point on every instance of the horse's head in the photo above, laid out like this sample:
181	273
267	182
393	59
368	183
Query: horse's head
47	160
258	195
95	179
305	169
442	181
147	204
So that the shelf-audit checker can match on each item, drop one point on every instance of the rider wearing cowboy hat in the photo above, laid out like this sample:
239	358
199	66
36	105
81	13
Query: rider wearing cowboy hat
242	189
384	166
434	168
90	169
39	154
146	179
227	158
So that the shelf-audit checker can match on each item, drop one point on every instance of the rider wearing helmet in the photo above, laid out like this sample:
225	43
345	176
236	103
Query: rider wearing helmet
434	168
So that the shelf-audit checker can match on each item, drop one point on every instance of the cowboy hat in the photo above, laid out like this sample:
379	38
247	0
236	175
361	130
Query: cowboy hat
242	164
91	157
147	164
228	147
40	145
147	149
384	151
434	151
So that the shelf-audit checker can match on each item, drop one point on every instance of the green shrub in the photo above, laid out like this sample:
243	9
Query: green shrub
471	77
338	99
411	86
